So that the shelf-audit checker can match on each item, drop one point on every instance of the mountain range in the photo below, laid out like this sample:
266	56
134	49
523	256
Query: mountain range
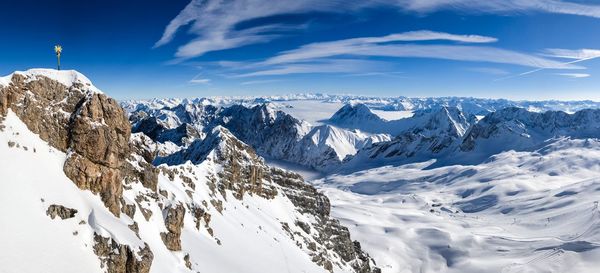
189	185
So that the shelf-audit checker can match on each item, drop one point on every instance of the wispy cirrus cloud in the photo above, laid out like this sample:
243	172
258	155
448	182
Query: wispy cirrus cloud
199	80
314	66
356	56
577	54
215	22
380	47
574	75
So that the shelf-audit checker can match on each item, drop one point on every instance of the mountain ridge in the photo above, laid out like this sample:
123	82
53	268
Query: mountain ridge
134	217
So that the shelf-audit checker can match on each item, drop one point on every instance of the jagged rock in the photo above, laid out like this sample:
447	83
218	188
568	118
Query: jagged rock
117	258
60	211
188	263
245	173
144	171
128	209
174	223
77	119
244	170
101	157
96	178
330	232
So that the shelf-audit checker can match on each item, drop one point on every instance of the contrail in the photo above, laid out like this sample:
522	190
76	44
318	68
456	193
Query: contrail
542	68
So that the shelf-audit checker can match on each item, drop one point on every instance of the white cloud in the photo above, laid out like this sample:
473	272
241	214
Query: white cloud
199	81
317	66
376	47
502	6
214	21
574	75
578	54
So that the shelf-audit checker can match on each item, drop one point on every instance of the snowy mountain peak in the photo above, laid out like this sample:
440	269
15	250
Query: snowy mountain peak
67	78
517	128
448	119
354	113
93	195
430	133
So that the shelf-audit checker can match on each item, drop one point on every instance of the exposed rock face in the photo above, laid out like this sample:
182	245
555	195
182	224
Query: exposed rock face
152	127
144	171
174	224
119	258
243	172
244	169
330	234
60	211
77	119
103	157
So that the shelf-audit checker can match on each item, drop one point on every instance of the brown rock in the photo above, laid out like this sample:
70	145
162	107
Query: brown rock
60	211
90	126
119	258
174	224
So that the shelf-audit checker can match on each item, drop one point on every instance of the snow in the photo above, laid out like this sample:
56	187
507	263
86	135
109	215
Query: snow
31	241
519	212
65	77
249	231
343	142
393	115
315	107
306	172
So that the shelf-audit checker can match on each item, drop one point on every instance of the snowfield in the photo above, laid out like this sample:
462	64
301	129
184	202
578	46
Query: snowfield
519	212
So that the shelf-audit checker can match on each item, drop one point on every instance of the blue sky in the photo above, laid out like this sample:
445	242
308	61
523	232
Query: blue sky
518	49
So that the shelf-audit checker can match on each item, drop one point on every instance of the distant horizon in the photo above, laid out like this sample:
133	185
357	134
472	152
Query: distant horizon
260	94
352	95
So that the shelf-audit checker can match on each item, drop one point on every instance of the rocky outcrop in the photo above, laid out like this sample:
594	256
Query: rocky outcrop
60	211
117	258
142	169
243	172
174	224
78	119
102	157
329	234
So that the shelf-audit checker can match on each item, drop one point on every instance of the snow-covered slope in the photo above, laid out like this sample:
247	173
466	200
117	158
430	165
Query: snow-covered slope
433	133
79	195
64	77
517	128
519	212
31	240
358	116
448	136
271	132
